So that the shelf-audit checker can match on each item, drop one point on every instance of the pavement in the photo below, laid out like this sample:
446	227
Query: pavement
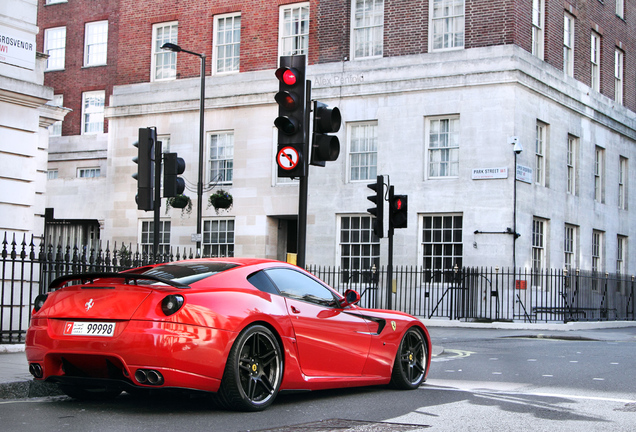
16	381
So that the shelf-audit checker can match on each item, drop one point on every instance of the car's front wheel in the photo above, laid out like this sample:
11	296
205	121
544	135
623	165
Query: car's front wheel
253	372
410	365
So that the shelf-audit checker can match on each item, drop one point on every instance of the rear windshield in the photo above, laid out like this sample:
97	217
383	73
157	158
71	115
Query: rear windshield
187	273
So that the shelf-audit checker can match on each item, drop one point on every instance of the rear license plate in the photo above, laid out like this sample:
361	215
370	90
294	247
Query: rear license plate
83	328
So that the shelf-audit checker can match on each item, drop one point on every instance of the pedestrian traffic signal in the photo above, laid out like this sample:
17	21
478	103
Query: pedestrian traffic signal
325	147
398	211
145	160
292	116
173	166
378	210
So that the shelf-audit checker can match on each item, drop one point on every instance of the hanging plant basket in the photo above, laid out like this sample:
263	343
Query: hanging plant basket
220	200
181	202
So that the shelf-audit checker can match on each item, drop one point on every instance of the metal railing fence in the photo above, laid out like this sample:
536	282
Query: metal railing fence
470	293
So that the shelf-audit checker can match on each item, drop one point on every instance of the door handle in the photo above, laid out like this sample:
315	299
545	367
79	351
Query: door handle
294	310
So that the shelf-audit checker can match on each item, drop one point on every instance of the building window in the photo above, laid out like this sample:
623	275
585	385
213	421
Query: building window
620	8
52	174
570	247
447	24
618	76
164	63
363	153
359	247
221	160
218	238
538	245
368	28
622	183
568	44
540	148
95	43
599	174
93	112
595	61
55	47
597	250
442	242
537	27
88	172
294	29
443	147
227	43
572	158
55	129
148	234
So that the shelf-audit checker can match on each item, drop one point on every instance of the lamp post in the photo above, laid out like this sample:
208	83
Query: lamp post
517	149
176	48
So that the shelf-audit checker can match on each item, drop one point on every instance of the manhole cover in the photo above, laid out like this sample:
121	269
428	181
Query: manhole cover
342	425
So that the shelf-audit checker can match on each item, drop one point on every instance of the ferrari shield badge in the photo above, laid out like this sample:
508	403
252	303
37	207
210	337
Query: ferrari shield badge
393	325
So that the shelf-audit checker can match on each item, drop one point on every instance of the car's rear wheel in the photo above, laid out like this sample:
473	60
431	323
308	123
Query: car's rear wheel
410	365
89	393
253	372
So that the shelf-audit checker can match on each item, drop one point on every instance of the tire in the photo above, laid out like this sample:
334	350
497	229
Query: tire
409	368
95	394
253	372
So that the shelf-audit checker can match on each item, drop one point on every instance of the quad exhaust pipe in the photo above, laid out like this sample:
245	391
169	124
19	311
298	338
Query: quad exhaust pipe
149	376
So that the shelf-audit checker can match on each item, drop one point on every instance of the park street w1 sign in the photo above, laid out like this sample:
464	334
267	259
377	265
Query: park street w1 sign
490	173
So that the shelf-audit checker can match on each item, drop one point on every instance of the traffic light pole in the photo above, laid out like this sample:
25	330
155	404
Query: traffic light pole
389	284
157	204
304	188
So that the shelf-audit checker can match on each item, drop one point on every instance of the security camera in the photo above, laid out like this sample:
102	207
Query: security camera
517	147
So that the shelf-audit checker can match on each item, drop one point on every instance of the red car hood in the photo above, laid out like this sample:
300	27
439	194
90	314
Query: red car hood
115	302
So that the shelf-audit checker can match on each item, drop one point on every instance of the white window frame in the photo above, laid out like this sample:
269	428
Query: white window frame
50	2
164	57
568	44
218	237
442	146
595	61
363	150
146	236
572	164
226	52
571	247
52	174
538	24
293	30
221	157
55	48
95	43
540	154
55	130
447	25
539	244
367	29
620	9
599	174
623	175
93	114
597	251
618	75
621	255
358	246
88	172
444	234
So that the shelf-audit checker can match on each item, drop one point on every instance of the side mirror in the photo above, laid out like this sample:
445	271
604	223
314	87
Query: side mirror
351	297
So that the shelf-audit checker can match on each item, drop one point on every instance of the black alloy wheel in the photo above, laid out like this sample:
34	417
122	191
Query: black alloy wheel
254	371
410	365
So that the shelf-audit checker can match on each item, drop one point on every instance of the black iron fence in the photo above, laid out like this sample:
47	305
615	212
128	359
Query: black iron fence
473	294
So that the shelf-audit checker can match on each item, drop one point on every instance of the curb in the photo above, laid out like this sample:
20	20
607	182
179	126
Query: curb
28	389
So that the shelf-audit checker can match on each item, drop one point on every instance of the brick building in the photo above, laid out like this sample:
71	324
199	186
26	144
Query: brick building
431	93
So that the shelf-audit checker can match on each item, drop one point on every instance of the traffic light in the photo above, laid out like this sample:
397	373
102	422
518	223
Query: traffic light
173	166
291	121
378	210
325	147
398	210
146	168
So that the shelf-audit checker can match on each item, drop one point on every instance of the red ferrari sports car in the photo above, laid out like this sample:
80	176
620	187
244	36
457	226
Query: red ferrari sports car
244	329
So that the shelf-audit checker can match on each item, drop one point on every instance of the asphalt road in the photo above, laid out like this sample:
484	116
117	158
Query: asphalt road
486	380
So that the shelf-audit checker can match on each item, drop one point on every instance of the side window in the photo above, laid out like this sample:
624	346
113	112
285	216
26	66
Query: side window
296	285
262	282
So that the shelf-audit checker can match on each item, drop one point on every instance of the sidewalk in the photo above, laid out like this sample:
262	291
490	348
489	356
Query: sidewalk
16	381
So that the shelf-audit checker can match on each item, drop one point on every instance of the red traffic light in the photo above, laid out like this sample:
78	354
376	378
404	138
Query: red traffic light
398	204
287	100
288	76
